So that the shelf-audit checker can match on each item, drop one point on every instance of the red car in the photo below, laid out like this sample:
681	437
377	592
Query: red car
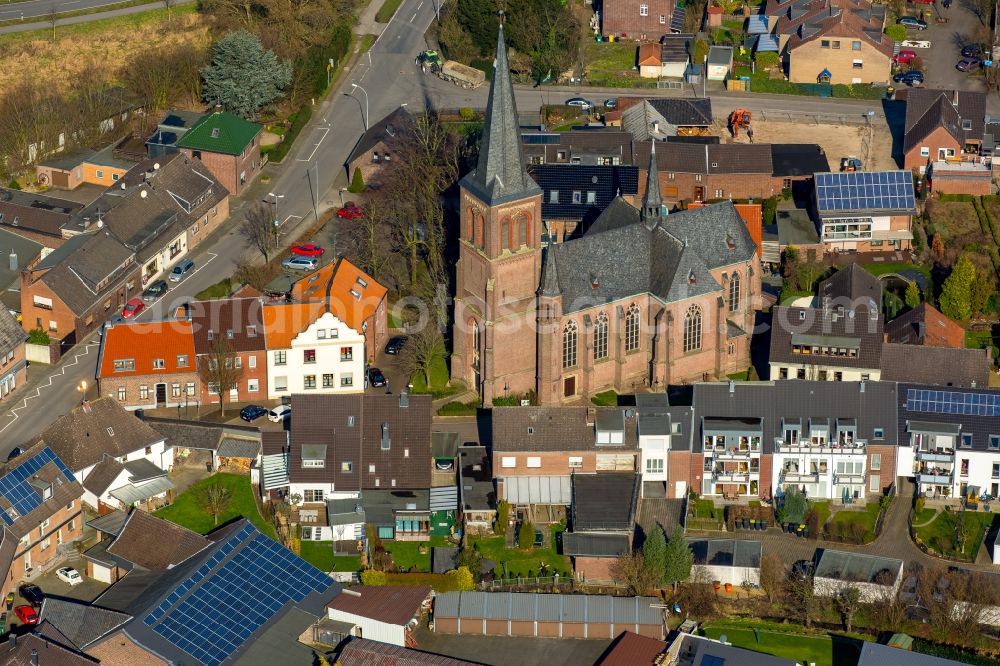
308	250
26	614
133	308
904	57
350	211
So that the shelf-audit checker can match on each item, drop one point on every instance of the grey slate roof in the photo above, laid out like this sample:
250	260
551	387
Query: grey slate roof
684	112
928	109
876	654
77	267
579	146
852	284
771	402
386	131
97	428
39	213
604	501
103	475
644	122
792	160
25	250
12	336
594	544
181	434
109	523
279	644
943	366
619	257
606	182
500	175
380	506
143	470
238	447
81	623
826	328
551	429
980	427
363	652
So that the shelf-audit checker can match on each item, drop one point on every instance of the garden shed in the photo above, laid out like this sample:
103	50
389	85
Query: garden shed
873	576
726	560
720	61
546	615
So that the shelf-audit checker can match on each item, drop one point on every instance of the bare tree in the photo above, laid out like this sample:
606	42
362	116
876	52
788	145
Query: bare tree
367	241
698	596
32	116
251	272
214	498
983	9
53	18
258	230
848	601
773	576
803	599
153	78
888	607
220	369
631	572
422	351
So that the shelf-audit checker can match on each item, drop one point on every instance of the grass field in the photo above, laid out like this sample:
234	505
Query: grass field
386	11
439	380
605	398
512	562
938	534
810	649
320	555
612	64
186	511
406	554
866	518
220	289
923	516
822	509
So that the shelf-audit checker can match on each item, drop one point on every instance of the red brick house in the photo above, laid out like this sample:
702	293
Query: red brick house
240	322
943	125
706	172
379	145
925	325
13	365
228	145
147	365
637	19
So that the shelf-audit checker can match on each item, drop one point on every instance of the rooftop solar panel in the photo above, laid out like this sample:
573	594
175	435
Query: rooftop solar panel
219	612
14	486
953	402
865	190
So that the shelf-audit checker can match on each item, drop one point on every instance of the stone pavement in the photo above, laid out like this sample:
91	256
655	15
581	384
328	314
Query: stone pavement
894	541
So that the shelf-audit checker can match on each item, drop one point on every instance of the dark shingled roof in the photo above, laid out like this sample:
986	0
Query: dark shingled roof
791	160
606	182
351	429
604	501
928	109
726	552
392	604
241	316
684	112
387	131
207	436
943	366
620	257
80	264
551	429
90	431
596	544
475	479
109	523
500	175
32	648
870	403
103	475
39	213
12	336
155	544
813	326
721	158
585	145
925	325
363	652
631	649
79	622
851	285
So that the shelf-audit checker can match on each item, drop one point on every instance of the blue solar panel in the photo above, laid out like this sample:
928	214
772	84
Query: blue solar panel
221	611
14	486
865	190
953	402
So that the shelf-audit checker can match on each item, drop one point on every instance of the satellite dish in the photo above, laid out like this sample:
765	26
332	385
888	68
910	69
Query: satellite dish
100	224
144	194
156	166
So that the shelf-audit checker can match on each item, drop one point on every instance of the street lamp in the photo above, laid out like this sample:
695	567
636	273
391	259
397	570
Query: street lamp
365	117
82	388
277	220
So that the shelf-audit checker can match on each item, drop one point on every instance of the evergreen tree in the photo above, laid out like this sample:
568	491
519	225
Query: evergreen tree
678	559
654	552
956	294
912	295
357	182
243	76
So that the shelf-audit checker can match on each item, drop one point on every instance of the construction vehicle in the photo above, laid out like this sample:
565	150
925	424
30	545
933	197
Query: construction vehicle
740	118
850	164
449	70
428	60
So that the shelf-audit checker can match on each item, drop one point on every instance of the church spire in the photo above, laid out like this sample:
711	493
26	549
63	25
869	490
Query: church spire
500	174
652	204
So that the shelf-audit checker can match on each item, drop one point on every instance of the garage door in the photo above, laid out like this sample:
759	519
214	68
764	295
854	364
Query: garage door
102	574
60	179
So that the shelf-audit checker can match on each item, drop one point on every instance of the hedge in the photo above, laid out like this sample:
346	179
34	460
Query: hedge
440	582
277	154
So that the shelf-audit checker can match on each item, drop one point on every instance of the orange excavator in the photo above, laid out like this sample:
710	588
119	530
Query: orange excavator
740	118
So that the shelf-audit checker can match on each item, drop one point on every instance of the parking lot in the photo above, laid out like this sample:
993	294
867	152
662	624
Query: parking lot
88	590
947	39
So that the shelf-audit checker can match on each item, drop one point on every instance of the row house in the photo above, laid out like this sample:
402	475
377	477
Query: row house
231	326
42	515
950	440
356	458
943	126
865	211
13	361
706	172
36	217
98	440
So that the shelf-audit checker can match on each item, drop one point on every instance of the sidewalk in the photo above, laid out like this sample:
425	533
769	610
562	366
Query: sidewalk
367	25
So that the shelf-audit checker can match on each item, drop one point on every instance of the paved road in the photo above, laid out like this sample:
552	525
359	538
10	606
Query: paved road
34	13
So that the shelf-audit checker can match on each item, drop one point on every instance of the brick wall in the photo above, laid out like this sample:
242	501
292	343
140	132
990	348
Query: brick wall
677	186
679	468
207	223
887	468
593	568
555	463
249	373
370	169
766	475
227	168
938	139
622	18
697	464
67	521
110	386
975	186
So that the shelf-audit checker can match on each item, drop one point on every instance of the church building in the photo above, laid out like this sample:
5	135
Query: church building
640	299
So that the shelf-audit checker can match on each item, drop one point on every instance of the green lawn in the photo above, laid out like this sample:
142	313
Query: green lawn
320	555
513	562
439	387
923	516
387	9
605	398
221	289
866	518
789	295
612	64
808	649
456	408
186	512
366	42
822	509
938	534
704	508
406	554
123	23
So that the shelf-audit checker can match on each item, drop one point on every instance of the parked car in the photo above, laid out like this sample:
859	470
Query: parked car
181	270
26	614
154	291
69	575
611	103
967	64
580	103
300	263
308	250
904	57
32	594
251	413
133	308
973	51
350	211
912	78
279	413
395	345
376	378
912	22
14	452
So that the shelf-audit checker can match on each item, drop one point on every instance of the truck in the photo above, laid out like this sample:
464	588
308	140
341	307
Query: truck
449	70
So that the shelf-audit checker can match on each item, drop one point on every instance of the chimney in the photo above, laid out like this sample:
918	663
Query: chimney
732	386
12	641
591	416
404	400
12	261
656	127
218	108
921	329
86	221
954	97
34	657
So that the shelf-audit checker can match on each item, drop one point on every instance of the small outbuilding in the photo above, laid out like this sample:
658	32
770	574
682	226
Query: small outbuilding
730	561
720	62
873	576
385	613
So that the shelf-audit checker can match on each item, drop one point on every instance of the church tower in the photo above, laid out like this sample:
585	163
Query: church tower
499	264
652	203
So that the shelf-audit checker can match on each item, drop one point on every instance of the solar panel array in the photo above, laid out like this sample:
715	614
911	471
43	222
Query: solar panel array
953	402
210	617
14	486
540	139
865	190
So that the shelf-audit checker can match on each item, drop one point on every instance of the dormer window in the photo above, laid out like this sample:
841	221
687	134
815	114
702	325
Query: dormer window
314	456
362	283
355	294
251	331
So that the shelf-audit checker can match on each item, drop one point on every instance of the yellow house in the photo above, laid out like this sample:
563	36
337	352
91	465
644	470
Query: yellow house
94	167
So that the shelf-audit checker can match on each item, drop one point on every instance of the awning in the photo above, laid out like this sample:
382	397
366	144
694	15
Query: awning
274	468
538	489
444	499
892	234
932	427
129	495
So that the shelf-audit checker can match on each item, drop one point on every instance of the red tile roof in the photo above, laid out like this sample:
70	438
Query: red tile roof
143	342
631	649
925	325
343	289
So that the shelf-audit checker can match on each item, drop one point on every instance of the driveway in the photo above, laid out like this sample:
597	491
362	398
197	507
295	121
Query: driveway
947	39
87	591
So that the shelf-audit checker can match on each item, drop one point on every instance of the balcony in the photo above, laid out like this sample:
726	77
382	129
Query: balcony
731	477
937	455
800	477
857	447
735	454
935	479
849	479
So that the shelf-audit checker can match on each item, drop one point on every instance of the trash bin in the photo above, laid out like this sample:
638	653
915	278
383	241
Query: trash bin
208	466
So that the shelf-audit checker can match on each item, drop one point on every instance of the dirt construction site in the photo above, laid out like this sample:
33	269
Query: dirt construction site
873	145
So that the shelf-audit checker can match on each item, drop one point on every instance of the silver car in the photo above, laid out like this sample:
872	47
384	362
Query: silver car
300	263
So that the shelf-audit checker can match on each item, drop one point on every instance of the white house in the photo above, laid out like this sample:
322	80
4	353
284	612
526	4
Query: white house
661	429
386	613
311	350
123	485
874	576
